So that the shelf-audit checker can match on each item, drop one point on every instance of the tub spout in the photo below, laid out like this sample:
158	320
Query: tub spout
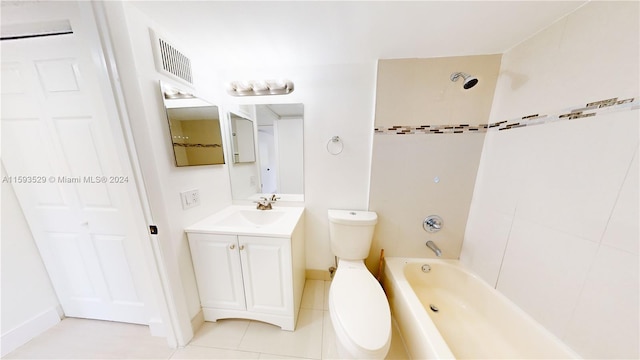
431	245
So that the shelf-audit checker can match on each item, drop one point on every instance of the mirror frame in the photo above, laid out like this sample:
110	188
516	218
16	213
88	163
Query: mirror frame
243	141
213	139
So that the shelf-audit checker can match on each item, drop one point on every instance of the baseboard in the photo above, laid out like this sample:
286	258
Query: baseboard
156	327
197	321
28	330
312	274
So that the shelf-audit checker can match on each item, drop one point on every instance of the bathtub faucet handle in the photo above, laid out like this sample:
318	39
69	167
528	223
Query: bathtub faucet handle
432	223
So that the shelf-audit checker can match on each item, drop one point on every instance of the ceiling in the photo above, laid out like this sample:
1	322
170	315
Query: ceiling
265	33
287	110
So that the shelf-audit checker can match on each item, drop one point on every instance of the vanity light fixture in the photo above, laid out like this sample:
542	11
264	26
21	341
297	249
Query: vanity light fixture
260	87
173	93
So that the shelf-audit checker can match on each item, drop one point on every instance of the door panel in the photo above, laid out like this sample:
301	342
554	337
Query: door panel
79	146
115	267
266	267
64	251
218	272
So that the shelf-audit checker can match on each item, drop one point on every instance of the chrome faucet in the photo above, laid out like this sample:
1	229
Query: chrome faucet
431	245
432	223
266	203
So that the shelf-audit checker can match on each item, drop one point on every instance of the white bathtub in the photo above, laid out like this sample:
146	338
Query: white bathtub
472	321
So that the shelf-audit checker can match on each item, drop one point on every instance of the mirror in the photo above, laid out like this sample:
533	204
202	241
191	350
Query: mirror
242	139
279	145
194	125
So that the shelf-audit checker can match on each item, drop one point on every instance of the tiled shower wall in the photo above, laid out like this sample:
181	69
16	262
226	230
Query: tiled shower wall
554	219
417	174
554	226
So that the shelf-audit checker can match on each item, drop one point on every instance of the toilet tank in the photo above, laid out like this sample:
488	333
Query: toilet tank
351	233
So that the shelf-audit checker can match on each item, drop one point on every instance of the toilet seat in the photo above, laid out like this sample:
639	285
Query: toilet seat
360	310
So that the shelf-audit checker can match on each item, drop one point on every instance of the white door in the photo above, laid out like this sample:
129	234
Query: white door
266	269
60	153
268	160
216	262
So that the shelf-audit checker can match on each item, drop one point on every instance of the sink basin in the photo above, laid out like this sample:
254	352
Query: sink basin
252	217
247	220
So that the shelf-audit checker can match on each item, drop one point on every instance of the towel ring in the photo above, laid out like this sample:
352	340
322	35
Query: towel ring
335	140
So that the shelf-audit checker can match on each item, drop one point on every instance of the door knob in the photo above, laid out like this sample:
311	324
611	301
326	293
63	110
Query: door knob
232	246
241	247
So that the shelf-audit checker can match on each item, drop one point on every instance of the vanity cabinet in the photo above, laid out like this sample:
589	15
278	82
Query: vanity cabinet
249	276
248	273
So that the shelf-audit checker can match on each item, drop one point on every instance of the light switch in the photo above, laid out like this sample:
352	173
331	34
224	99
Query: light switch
190	198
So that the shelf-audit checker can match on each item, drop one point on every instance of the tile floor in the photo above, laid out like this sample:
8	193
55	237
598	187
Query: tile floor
226	339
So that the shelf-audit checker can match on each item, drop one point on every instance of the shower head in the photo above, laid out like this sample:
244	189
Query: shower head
469	81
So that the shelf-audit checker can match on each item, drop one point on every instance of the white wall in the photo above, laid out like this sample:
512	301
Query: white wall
338	100
164	181
554	218
29	303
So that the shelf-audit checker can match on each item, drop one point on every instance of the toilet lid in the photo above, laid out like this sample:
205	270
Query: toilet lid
361	307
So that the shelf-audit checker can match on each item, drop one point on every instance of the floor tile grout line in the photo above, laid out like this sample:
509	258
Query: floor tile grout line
244	334
219	348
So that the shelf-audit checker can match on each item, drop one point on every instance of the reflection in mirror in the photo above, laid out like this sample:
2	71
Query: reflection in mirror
280	140
279	166
242	139
194	125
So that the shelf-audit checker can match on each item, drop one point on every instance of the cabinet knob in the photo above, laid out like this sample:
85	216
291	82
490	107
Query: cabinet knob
241	247
232	246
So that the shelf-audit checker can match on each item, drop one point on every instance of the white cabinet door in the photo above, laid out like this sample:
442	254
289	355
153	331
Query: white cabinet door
218	272
266	268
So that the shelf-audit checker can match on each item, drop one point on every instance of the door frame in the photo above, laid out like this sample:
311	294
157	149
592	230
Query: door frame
165	316
113	95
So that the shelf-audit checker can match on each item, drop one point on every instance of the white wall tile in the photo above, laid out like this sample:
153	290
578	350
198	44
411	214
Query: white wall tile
403	191
576	170
623	229
543	272
606	320
485	241
523	72
592	54
503	174
593	42
568	183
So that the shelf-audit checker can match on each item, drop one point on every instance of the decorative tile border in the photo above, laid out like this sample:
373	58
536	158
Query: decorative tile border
197	145
588	110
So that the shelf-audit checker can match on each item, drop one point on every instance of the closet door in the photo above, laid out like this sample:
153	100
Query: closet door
58	149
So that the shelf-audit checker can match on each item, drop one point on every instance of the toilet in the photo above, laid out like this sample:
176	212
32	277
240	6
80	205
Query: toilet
358	307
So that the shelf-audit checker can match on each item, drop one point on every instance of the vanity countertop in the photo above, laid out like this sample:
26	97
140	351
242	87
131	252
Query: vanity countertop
247	220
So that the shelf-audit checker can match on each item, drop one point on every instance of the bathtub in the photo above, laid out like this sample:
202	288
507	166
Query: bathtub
448	312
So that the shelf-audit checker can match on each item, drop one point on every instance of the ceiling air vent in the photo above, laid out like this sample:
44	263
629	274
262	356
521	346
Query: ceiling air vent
170	61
